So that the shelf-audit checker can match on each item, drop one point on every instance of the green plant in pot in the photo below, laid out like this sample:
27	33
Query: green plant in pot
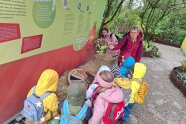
151	49
182	75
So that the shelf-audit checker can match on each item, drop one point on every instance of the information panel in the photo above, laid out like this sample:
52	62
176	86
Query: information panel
31	27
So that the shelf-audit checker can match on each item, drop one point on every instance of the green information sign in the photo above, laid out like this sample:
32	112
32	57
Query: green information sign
44	13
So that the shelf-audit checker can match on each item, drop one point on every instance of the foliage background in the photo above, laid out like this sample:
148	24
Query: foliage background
160	19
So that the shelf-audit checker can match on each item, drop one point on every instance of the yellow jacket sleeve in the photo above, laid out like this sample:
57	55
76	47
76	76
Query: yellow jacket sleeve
134	87
50	104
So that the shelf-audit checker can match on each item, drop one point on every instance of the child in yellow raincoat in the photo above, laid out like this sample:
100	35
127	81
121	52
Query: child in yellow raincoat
48	83
139	73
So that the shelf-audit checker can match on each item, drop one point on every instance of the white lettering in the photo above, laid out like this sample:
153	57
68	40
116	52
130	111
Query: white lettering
119	113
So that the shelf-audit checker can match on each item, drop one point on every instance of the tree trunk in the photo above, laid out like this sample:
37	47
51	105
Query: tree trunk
107	13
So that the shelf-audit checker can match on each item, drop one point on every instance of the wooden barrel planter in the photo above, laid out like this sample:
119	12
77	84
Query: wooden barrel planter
176	81
80	75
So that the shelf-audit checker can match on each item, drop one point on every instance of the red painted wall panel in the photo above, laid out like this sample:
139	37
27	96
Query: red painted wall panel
16	78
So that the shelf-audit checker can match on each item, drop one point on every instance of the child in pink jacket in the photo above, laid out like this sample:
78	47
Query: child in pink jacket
96	79
111	94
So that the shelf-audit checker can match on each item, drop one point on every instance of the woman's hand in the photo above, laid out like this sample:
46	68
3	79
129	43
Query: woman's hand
111	47
103	41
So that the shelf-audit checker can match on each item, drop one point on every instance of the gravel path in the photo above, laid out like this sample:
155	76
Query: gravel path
164	104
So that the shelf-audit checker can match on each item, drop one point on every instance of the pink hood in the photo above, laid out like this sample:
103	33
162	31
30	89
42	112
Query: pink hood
113	95
96	79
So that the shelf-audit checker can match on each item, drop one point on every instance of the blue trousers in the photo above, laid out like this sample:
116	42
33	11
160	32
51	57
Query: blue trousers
127	111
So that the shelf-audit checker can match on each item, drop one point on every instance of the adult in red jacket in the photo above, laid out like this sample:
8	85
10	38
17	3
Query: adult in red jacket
130	45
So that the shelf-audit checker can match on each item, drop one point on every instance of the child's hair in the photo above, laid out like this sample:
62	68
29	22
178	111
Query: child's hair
107	76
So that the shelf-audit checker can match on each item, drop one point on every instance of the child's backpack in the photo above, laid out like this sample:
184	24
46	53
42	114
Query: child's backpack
114	112
97	91
33	107
67	118
140	95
